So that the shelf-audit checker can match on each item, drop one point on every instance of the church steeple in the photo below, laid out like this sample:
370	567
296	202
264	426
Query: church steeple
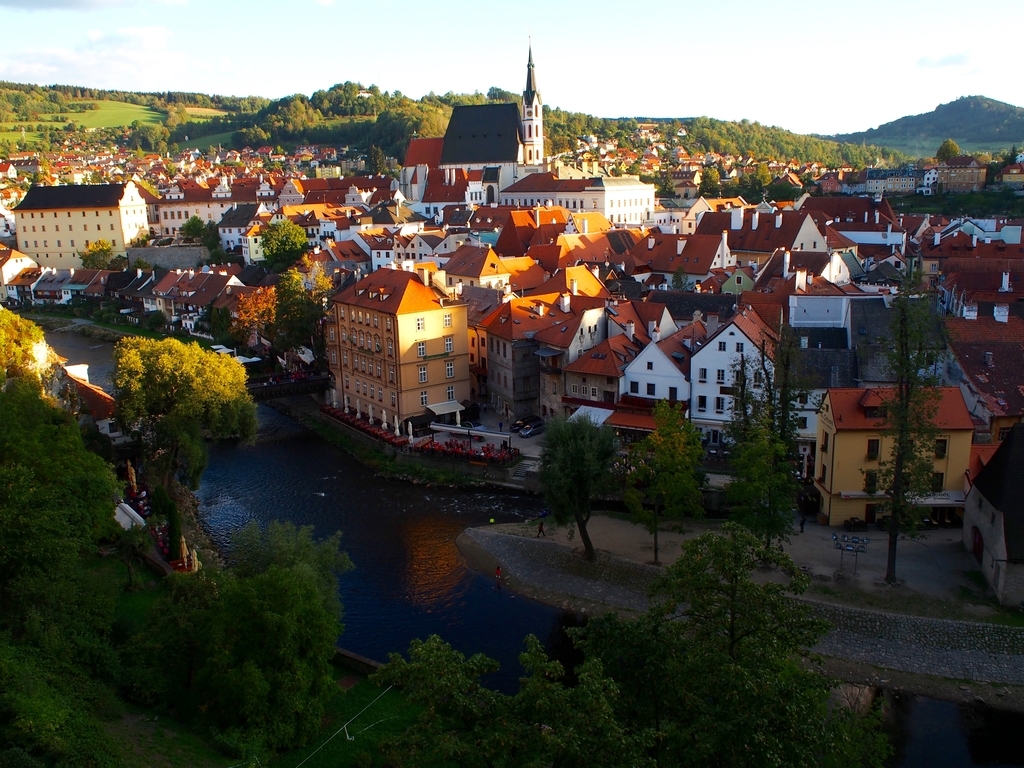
532	118
531	92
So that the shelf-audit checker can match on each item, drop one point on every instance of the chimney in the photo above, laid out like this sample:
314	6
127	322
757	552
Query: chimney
778	220
630	329
876	217
937	239
711	324
1004	286
736	218
425	277
566	302
1001	313
654	332
596	270
785	264
865	217
541	309
585	227
574	287
697	315
650	329
536	216
974	241
988	360
679	247
458	288
753	220
725	240
801	279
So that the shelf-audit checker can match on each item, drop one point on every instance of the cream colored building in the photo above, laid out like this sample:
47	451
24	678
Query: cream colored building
55	224
397	346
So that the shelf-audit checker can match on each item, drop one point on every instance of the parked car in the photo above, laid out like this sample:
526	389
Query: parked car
518	426
472	425
531	429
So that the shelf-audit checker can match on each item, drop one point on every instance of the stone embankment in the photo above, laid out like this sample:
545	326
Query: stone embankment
958	650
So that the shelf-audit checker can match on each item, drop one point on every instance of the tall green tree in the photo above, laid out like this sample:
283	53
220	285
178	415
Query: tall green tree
301	305
173	395
575	464
193	229
21	347
665	478
284	243
947	151
377	162
100	255
710	183
906	473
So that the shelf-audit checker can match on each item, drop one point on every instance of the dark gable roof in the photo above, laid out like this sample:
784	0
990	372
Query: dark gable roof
824	368
682	305
1002	484
482	133
72	196
239	216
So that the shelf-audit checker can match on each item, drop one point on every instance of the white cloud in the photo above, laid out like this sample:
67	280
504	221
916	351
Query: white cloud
952	60
60	5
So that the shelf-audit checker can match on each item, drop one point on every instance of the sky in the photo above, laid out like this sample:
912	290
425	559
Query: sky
811	67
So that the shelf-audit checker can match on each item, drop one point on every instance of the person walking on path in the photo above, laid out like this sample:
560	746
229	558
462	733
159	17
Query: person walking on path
497	577
803	521
540	530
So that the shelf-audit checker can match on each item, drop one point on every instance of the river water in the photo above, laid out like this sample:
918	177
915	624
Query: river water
410	581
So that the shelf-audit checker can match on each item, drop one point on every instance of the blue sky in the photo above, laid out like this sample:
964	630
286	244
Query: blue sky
821	67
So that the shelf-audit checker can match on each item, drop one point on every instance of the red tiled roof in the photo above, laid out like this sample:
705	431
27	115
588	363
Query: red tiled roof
424	152
849	414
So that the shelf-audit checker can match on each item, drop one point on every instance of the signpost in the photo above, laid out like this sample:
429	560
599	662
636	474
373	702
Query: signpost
854	544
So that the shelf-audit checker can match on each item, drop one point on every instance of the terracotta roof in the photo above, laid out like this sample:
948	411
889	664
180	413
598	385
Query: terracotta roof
848	408
390	291
95	401
425	151
608	358
540	183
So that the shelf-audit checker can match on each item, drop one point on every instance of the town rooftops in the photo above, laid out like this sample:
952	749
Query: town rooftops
424	151
856	408
391	291
482	133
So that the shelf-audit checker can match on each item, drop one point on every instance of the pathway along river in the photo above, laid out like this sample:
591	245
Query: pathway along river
410	580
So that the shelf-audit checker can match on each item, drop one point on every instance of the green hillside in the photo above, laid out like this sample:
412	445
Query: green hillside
975	123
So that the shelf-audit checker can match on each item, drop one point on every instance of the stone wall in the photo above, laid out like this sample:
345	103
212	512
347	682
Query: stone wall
171	257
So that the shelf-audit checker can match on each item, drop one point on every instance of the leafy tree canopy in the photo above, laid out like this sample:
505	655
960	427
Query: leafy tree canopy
284	243
947	151
21	346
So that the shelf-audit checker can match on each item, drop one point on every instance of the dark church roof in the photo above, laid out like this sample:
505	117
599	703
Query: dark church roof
72	196
482	133
1001	482
531	83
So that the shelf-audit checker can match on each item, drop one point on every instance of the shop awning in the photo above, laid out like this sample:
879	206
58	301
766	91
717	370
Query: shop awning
451	406
596	415
548	352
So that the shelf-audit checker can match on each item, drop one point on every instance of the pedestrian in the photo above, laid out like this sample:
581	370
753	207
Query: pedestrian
501	425
803	521
540	530
497	577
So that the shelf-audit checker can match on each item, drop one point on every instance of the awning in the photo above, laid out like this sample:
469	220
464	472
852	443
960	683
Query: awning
546	352
596	415
451	406
640	422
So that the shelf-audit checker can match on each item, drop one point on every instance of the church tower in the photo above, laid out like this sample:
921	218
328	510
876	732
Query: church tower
532	117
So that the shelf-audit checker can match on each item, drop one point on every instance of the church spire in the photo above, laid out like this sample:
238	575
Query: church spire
531	82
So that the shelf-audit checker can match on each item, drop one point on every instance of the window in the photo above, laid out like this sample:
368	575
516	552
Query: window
938	481
394	398
720	376
719	405
449	344
802	422
739	347
824	473
391	373
673	394
423	397
332	334
376	321
575	389
388	323
650	365
451	393
448	320
634	387
873	444
593	391
758	378
824	442
334	357
1004	432
421	349
421	323
391	348
871	481
702	402
344	358
650	390
702	375
721	346
941	446
449	369
423	374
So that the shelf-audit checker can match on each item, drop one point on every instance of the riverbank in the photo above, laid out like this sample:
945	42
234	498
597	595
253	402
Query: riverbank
866	646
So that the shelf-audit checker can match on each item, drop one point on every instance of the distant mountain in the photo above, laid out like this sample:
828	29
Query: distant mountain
976	123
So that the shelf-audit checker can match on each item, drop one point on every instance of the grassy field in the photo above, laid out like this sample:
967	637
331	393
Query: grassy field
204	113
108	114
217	139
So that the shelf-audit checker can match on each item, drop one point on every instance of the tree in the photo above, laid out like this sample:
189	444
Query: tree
717	656
575	467
193	229
545	723
298	313
906	473
100	255
377	162
284	242
21	346
131	544
710	183
257	312
947	151
172	394
665	477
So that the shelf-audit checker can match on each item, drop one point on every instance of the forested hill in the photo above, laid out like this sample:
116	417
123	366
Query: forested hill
349	113
976	123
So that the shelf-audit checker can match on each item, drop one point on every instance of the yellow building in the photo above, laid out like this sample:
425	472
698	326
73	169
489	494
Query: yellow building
397	346
851	441
55	224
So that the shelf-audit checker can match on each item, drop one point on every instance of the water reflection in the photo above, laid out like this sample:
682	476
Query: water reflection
410	580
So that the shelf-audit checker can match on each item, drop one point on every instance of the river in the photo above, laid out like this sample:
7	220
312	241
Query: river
410	580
